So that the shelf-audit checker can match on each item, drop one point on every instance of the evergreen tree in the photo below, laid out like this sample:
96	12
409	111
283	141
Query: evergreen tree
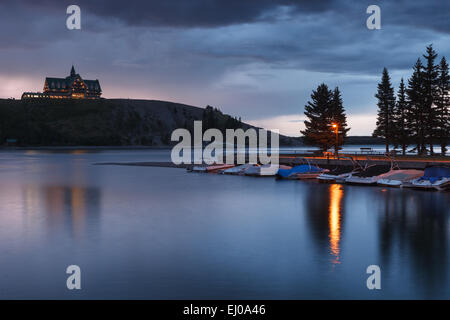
400	118
416	115
430	77
339	117
209	118
443	106
322	111
386	104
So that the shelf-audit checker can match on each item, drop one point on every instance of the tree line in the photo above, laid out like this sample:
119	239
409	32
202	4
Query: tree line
214	118
418	116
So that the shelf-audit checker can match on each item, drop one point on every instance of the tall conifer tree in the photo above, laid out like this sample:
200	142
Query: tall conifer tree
430	77
338	116
442	131
400	118
386	104
324	109
416	116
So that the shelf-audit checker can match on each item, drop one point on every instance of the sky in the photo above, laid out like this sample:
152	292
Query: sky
255	59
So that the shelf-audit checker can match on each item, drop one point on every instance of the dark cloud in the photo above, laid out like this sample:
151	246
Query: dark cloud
431	14
255	58
325	36
190	13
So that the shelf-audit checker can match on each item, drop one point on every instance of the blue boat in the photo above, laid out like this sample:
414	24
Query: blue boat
303	171
435	177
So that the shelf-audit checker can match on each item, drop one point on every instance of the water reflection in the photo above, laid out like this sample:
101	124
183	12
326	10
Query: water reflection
334	220
170	234
72	207
325	216
415	224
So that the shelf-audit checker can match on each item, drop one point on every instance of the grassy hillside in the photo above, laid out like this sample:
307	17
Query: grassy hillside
113	122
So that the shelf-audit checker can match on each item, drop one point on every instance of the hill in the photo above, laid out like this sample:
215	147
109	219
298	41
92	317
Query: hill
106	122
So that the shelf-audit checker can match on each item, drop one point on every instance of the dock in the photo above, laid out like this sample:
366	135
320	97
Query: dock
407	162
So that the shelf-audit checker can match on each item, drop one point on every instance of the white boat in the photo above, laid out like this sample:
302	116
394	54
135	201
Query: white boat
330	177
340	173
396	178
366	177
238	169
211	169
434	178
352	179
197	169
218	167
266	170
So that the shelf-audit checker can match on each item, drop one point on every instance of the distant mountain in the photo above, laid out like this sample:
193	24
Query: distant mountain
106	122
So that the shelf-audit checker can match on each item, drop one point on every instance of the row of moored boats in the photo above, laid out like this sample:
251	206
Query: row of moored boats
432	178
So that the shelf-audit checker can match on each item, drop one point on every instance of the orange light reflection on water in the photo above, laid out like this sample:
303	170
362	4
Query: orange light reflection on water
334	220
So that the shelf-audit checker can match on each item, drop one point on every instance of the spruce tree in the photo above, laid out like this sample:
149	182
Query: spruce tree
416	115
386	104
339	117
209	118
430	77
400	118
324	110
317	126
443	106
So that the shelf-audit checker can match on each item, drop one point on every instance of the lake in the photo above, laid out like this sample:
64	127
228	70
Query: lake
163	233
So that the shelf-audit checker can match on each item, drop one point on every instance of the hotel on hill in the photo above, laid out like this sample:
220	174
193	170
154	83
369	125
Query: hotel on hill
71	87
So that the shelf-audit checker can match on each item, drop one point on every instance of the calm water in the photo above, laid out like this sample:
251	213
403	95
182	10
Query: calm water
142	232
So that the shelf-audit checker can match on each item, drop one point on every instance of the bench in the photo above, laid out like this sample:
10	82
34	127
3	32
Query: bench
315	152
366	150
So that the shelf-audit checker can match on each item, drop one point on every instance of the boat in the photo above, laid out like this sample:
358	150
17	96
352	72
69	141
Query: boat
303	171
368	176
396	178
434	178
266	170
211	169
336	175
238	170
218	167
340	173
197	169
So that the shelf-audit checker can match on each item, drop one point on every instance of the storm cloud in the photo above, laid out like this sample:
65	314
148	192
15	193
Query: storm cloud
255	59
